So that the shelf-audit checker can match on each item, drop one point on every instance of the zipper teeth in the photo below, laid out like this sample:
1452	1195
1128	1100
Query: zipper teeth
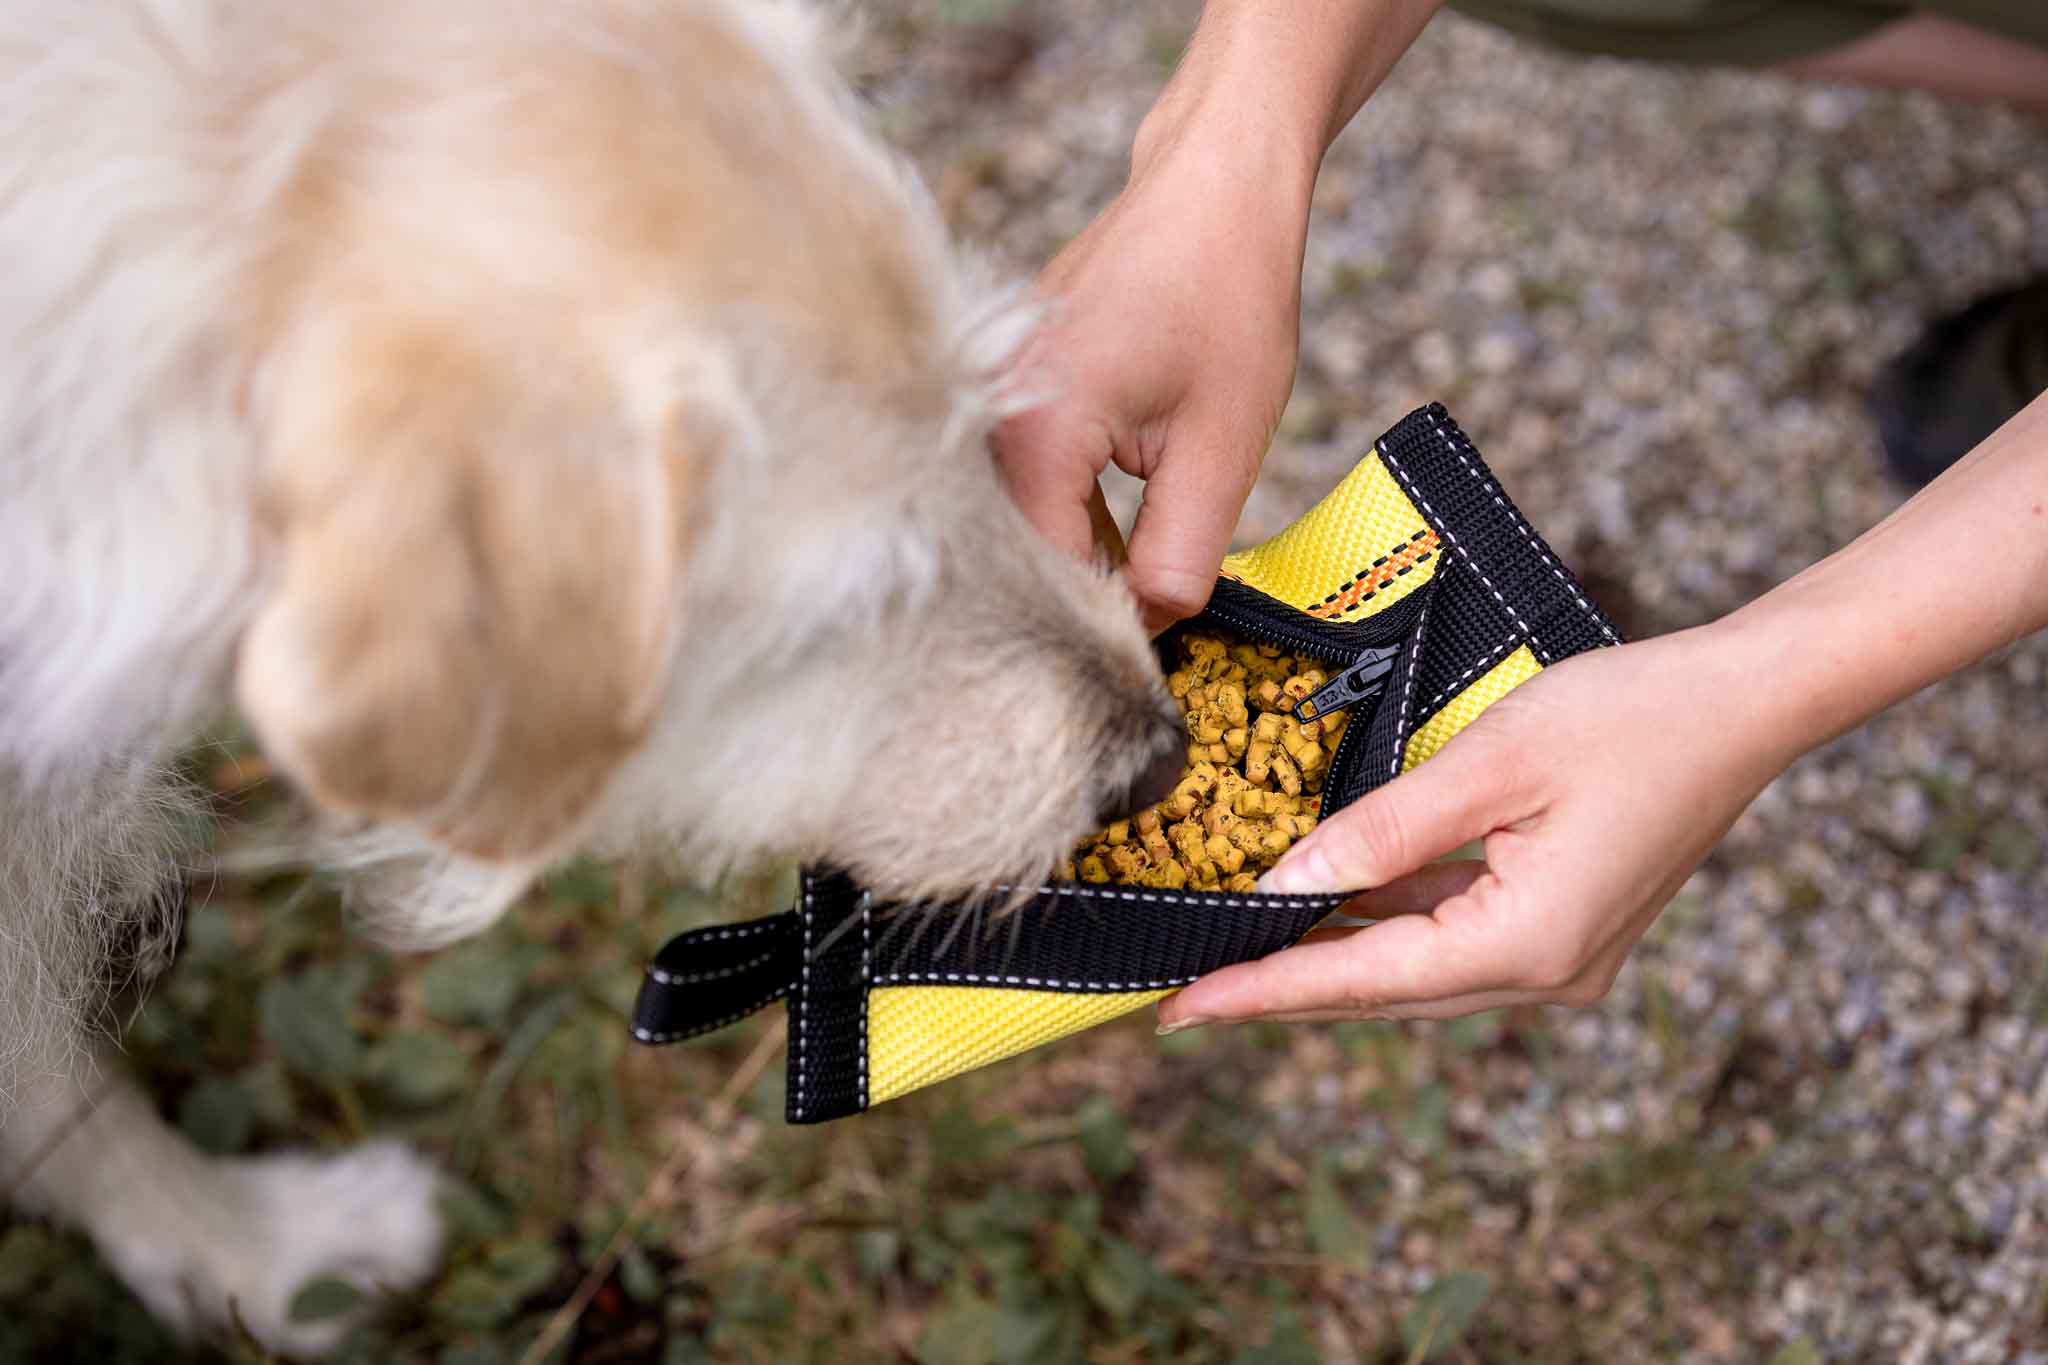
1302	642
1337	761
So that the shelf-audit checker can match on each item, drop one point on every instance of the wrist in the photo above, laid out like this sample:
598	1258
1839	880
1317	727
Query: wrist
1263	159
1763	668
1281	80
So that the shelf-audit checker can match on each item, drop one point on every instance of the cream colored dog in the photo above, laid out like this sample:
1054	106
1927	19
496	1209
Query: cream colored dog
560	425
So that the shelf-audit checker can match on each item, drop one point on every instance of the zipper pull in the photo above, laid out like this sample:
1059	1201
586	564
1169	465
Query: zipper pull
1361	681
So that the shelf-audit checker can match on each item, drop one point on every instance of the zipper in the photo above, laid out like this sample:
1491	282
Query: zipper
1364	670
1362	679
1297	639
1359	682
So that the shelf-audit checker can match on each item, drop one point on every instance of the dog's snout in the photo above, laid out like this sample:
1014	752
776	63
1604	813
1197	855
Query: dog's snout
1152	784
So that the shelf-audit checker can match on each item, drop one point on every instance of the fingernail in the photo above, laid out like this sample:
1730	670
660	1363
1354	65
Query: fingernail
1304	869
1192	1021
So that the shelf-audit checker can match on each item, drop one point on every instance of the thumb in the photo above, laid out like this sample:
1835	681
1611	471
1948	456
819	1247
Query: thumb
1463	793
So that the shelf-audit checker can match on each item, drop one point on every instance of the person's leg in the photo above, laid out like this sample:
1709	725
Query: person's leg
1937	54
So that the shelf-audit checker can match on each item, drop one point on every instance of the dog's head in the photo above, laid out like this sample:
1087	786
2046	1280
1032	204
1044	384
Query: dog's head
628	479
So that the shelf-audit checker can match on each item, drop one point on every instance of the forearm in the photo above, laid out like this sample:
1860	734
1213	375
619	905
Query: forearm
1268	84
1959	571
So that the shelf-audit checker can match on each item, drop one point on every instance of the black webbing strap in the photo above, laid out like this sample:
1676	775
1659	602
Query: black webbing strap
836	946
1514	578
708	978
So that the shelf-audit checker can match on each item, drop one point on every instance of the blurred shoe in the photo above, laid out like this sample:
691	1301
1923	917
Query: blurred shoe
1965	376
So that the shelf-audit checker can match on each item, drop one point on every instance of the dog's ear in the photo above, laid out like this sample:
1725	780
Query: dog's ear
478	585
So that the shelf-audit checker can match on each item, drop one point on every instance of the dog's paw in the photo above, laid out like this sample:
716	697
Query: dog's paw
277	1223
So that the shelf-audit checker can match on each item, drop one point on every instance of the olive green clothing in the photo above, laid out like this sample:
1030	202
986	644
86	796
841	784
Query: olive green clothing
1738	32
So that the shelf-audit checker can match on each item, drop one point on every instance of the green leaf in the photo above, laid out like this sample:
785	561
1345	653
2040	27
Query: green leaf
471	1216
1289	1345
478	983
269	1092
1942	848
472	1297
963	1334
876	1251
324	1297
489	1293
216	1114
1119	1280
305	1019
1333	1229
1429	1109
638	1277
1105	1140
1026	1336
418	1069
1445	1311
524	1267
1798	1351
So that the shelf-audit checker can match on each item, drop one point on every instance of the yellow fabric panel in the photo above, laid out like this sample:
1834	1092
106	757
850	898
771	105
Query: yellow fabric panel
1461	710
1364	519
920	1035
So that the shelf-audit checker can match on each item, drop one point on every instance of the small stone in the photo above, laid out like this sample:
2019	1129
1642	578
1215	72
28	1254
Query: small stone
1496	353
1434	356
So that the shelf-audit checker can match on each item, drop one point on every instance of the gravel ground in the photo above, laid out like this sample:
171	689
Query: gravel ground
1656	299
1803	1126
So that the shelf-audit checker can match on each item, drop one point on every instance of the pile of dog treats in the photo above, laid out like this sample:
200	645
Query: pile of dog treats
1253	783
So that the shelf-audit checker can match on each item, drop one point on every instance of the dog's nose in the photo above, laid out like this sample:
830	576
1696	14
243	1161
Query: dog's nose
1153	784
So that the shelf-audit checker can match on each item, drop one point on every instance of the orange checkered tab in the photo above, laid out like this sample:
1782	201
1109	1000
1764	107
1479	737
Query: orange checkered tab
1427	595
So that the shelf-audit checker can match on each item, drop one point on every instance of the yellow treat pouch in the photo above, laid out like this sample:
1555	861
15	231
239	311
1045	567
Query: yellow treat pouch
1428	596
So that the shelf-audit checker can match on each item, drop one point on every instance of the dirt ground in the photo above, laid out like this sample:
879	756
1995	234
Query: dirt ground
1806	1125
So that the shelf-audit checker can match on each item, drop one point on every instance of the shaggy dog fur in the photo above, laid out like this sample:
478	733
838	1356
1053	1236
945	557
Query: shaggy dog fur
558	425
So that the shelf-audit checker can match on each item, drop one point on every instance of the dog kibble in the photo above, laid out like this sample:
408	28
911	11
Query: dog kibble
1253	782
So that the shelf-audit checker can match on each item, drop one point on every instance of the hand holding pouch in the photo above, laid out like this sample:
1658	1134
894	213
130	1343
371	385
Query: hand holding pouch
1428	596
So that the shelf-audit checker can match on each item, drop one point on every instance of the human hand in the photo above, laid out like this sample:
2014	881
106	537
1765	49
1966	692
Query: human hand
1598	787
1170	350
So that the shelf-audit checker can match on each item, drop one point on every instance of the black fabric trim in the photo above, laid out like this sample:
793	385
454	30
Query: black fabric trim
1535	595
828	1008
1076	938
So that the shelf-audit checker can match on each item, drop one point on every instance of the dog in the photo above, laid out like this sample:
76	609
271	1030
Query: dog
556	427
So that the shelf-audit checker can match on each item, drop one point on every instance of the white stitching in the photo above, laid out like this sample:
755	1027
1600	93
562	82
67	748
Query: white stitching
801	1004
1409	487
675	979
747	930
1492	490
1048	983
650	1036
1205	899
1459	681
1402	730
867	902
